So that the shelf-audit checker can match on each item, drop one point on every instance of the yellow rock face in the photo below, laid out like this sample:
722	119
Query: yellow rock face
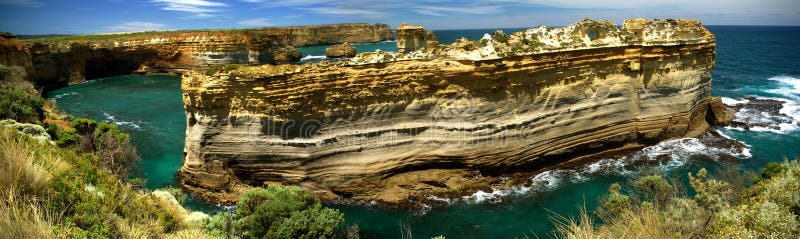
449	120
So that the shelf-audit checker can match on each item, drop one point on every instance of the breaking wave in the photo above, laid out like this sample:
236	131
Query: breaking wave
663	156
758	113
112	119
313	57
65	94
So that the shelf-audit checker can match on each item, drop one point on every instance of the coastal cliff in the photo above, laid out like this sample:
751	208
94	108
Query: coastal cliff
59	61
446	120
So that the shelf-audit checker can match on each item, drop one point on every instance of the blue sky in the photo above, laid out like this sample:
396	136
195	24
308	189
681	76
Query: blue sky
81	16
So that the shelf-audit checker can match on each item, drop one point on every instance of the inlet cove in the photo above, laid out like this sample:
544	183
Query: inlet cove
281	119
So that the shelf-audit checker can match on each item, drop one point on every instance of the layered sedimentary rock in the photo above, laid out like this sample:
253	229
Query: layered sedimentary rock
342	50
410	38
440	120
55	62
333	34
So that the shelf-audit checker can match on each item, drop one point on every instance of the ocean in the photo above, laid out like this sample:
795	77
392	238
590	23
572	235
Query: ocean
752	61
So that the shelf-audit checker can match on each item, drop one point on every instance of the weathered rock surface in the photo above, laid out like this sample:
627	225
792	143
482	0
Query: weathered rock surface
55	62
444	120
342	50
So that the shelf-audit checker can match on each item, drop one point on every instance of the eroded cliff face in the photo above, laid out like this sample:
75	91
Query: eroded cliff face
445	120
62	61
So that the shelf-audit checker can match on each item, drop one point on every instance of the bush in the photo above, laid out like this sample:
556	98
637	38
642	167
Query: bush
771	169
7	35
20	105
499	36
68	138
84	126
769	209
4	72
277	212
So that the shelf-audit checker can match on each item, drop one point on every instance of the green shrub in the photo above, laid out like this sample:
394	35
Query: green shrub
653	188
4	72
7	35
20	105
499	36
277	212
84	126
68	138
768	209
771	169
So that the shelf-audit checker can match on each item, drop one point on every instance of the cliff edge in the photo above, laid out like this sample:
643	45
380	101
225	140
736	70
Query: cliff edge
59	61
439	120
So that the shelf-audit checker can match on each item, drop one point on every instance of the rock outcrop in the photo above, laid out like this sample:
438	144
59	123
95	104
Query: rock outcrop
342	50
444	120
55	62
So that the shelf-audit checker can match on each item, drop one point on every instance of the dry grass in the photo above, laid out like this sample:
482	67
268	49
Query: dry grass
195	233
25	166
23	218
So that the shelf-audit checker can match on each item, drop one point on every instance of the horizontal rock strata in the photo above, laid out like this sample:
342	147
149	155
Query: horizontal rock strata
397	126
58	61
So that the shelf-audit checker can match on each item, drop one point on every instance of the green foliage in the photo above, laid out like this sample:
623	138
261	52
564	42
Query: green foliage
4	72
483	42
68	138
499	36
89	202
711	194
277	212
768	209
84	126
53	130
7	35
771	169
20	105
654	188
614	202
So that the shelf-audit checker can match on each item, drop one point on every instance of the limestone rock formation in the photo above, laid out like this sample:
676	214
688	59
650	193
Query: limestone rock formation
445	120
410	38
54	62
342	50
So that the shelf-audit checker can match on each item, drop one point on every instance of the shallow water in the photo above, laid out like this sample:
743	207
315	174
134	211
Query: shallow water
751	61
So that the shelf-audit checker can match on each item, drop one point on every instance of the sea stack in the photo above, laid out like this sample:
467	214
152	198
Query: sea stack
399	127
342	50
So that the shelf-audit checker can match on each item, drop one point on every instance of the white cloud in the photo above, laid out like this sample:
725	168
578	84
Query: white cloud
346	11
23	3
290	3
258	22
200	8
442	11
136	26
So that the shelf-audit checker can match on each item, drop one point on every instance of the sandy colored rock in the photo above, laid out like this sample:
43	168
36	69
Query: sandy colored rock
342	50
450	119
56	62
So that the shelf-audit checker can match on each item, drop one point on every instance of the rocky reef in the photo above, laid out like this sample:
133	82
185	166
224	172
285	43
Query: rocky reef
54	62
446	120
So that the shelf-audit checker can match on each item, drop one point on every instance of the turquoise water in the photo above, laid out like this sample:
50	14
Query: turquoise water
751	61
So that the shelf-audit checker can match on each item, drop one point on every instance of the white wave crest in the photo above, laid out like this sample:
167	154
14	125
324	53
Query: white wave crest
664	156
65	94
113	119
732	101
312	57
790	86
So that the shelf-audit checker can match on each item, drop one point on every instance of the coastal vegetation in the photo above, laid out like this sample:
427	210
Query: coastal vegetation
728	205
75	178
